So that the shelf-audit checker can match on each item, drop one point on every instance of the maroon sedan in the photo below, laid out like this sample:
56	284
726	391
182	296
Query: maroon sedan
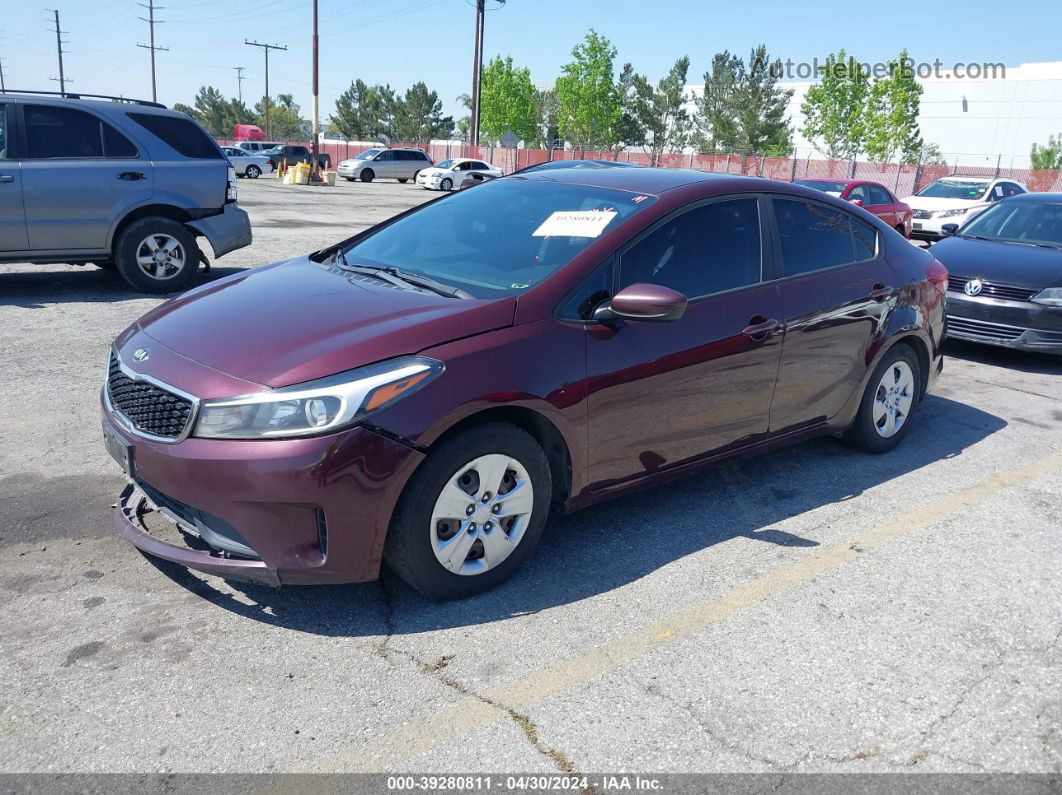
873	197
425	392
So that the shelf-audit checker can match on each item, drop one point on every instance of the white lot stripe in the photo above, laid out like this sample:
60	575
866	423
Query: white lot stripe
413	739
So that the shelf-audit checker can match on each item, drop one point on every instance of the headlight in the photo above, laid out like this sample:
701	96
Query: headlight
951	213
316	407
1052	296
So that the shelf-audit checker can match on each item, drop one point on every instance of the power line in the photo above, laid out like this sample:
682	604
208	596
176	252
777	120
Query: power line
239	82
267	48
151	7
59	49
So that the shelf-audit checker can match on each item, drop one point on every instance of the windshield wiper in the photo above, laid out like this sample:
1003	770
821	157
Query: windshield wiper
401	278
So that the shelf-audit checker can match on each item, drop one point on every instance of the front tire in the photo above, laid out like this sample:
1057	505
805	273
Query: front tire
368	175
472	513
252	172
889	402
446	184
403	180
157	255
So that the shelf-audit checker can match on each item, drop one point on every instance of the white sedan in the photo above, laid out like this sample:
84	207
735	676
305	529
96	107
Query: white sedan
246	164
955	200
450	174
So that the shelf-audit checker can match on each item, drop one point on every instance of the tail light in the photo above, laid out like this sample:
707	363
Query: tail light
230	191
937	275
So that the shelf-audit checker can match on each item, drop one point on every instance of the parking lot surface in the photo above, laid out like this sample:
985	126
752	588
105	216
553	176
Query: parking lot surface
818	609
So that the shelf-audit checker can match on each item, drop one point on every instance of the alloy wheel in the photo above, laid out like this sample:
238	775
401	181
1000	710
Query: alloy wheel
893	399
160	256
481	514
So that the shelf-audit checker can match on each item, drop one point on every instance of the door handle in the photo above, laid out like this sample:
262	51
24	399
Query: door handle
6	178
760	328
880	292
131	175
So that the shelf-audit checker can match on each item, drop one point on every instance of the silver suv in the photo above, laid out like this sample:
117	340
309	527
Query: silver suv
123	184
399	163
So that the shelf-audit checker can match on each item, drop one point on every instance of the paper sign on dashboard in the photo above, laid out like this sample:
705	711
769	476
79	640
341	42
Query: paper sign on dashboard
575	223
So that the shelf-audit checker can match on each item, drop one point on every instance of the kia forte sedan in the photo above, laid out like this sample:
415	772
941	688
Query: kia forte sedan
1006	287
426	391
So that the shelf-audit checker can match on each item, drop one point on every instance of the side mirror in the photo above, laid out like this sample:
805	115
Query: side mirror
643	302
949	229
857	202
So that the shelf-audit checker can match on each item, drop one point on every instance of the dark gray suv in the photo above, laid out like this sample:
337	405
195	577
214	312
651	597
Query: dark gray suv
122	184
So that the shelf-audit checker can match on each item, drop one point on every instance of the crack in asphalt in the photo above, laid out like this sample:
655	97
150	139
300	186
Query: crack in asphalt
527	726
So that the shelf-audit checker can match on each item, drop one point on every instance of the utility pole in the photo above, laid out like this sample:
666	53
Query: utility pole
315	170
239	82
3	88
477	68
267	48
59	48
151	7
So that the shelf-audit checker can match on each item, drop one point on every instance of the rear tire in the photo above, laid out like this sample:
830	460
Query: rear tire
368	175
157	255
889	402
403	180
349	179
252	172
417	542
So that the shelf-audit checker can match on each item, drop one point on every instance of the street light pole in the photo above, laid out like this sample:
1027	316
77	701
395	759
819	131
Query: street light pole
316	110
477	67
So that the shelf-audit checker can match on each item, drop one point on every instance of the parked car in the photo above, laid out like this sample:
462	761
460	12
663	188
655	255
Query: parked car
473	178
425	391
246	164
256	147
450	173
399	163
1005	280
552	164
956	199
873	197
124	184
292	154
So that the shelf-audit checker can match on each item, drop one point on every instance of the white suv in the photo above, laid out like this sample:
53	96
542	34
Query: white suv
955	200
399	163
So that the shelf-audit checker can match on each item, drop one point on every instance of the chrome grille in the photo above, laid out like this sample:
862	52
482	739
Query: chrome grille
991	289
967	327
150	409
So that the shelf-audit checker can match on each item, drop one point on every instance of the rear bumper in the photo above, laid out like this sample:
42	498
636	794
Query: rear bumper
226	232
294	511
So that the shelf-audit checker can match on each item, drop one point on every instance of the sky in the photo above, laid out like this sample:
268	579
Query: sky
403	41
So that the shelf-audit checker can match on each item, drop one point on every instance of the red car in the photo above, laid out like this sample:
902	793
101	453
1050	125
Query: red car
873	197
425	392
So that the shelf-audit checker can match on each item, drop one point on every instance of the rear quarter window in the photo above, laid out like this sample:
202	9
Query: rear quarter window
182	135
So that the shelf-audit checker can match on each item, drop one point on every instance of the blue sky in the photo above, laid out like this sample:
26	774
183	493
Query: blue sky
403	41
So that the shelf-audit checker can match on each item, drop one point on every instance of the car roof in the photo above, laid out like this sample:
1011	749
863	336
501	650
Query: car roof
1050	198
968	178
838	180
639	180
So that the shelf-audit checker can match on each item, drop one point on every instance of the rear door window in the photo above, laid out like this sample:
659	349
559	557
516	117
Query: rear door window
814	237
55	132
878	195
182	135
4	142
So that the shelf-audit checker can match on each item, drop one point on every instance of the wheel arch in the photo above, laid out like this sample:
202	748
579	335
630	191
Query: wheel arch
150	211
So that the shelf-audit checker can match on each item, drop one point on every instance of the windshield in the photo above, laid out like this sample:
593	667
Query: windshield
954	189
836	188
370	153
1019	222
445	164
500	239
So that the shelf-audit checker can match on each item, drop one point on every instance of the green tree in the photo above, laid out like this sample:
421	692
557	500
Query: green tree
588	102
506	101
742	108
418	116
215	113
285	123
929	155
548	133
356	116
630	131
661	111
1048	156
892	114
835	108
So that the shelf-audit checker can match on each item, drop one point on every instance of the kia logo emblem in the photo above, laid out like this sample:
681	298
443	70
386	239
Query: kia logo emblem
141	354
973	287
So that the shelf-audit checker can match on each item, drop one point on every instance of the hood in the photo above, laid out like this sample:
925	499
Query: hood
297	320
935	203
1005	263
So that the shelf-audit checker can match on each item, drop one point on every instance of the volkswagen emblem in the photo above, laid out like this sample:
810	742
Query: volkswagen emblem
973	287
141	354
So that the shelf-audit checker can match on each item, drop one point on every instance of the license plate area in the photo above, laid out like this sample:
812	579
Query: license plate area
118	448
917	225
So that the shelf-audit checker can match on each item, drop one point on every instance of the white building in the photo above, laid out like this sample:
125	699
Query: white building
975	122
